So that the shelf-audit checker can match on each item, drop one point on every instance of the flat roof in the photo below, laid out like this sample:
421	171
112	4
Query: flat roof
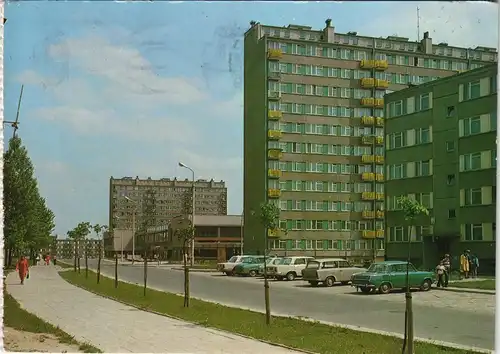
217	220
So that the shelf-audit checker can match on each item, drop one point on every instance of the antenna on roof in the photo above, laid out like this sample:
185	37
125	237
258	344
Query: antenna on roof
418	23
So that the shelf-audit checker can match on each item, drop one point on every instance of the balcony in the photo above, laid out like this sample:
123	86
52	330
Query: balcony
380	234
273	193
274	54
369	234
367	176
274	154
367	120
379	122
274	75
368	102
367	64
381	64
379	140
368	214
273	232
274	134
368	195
379	159
367	82
274	115
379	177
271	173
367	140
380	214
274	95
379	102
367	158
381	84
379	196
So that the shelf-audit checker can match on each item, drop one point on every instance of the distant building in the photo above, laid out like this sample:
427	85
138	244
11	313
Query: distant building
65	248
441	150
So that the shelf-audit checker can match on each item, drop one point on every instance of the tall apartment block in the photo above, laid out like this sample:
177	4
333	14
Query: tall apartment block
157	201
441	151
314	131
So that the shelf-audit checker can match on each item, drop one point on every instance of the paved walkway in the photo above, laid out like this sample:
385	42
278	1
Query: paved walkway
114	327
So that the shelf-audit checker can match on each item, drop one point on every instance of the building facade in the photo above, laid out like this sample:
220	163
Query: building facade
65	248
314	131
441	151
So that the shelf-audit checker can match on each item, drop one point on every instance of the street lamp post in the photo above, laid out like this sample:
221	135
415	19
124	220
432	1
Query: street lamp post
193	210
133	230
241	234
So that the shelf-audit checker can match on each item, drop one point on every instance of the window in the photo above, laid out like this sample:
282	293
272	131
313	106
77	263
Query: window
493	158
472	90
450	180
397	140
398	108
473	196
424	199
398	232
451	214
423	136
397	171
472	161
493	121
450	146
450	111
472	126
422	168
424	102
473	232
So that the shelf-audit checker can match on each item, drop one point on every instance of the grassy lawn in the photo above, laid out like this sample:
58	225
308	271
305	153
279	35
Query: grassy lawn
479	284
65	265
310	336
17	318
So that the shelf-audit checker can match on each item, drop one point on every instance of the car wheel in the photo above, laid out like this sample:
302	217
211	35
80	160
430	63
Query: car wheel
330	281
290	276
426	285
366	290
313	283
385	288
252	273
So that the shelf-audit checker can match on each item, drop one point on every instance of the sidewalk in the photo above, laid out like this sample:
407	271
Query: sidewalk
114	327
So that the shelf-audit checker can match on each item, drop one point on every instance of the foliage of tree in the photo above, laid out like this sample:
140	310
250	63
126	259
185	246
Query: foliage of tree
78	235
28	222
186	235
98	229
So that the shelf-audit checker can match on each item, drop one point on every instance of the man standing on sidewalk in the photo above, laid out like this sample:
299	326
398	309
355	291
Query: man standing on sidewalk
22	268
446	262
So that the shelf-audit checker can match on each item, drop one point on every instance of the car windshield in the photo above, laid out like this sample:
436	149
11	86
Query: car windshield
286	261
276	261
313	265
232	259
377	268
271	260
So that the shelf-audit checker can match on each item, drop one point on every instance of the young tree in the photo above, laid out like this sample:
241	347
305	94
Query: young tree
269	218
186	235
99	230
79	234
412	209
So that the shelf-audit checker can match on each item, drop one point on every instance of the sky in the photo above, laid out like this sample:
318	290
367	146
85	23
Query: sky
130	89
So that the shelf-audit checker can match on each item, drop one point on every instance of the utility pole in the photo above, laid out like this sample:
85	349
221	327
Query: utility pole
193	212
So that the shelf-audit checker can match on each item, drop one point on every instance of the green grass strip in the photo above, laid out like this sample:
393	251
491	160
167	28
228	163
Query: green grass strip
295	333
479	284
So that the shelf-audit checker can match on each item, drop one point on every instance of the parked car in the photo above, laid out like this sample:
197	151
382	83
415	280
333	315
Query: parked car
288	268
249	266
269	262
389	275
228	267
329	271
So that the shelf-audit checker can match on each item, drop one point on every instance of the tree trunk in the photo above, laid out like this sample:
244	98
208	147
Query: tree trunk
186	279
266	295
116	271
408	339
86	264
74	265
78	255
145	271
99	265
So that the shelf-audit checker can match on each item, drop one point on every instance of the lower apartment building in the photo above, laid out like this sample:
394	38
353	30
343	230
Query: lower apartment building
441	150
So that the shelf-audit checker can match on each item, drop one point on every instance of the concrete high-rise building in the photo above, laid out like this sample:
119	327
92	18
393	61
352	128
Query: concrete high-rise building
155	202
314	131
441	151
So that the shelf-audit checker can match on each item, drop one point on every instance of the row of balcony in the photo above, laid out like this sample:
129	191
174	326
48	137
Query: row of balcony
274	134
273	173
374	64
378	159
274	54
274	115
372	102
370	176
274	95
370	140
274	154
371	214
369	82
372	196
273	193
368	120
371	234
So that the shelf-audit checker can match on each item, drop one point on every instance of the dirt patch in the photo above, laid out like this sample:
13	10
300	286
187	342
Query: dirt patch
21	341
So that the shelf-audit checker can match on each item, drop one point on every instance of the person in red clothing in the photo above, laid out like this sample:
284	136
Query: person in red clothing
47	260
23	268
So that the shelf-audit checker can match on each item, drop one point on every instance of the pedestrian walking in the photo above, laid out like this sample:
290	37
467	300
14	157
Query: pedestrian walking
38	259
22	267
464	265
440	271
447	266
47	259
474	265
54	260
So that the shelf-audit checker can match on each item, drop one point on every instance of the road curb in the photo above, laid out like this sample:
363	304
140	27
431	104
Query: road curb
340	325
191	270
467	290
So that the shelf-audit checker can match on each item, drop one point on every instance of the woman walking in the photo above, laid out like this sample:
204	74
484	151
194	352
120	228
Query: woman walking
22	267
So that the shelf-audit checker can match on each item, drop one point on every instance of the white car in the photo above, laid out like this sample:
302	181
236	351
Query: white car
228	267
288	268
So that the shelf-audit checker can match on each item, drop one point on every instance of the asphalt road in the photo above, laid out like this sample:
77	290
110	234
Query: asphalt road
462	324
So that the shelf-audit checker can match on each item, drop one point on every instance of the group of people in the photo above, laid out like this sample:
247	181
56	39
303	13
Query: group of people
23	266
469	265
46	259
